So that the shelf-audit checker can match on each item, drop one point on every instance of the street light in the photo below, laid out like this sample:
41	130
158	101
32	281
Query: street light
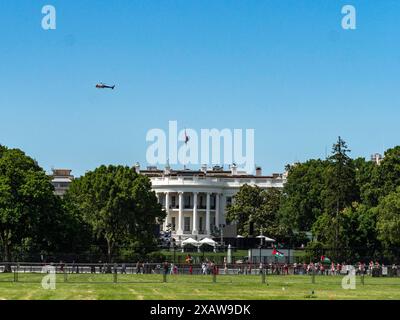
174	247
221	231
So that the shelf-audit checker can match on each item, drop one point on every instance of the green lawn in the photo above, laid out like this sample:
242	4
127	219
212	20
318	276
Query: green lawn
100	286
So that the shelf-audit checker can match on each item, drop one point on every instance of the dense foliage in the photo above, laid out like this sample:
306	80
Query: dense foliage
349	208
118	205
107	208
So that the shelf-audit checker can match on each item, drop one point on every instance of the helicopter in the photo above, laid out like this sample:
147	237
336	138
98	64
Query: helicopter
101	85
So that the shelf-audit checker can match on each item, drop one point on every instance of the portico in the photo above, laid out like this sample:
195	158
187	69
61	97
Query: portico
191	212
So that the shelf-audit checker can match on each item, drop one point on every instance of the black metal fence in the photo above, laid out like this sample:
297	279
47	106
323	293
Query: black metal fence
159	272
218	255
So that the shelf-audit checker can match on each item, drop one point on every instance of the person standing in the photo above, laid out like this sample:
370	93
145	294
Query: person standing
214	268
165	267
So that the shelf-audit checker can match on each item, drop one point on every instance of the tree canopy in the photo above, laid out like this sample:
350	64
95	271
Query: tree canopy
255	211
118	204
28	207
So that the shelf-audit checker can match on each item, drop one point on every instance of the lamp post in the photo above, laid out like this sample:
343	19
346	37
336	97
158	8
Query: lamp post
174	247
221	231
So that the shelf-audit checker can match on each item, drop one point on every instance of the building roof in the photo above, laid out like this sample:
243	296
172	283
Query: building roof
209	173
61	180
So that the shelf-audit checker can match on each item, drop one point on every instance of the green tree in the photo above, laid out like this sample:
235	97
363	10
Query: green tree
388	224
341	190
386	176
340	176
302	201
27	202
356	225
118	204
255	211
366	179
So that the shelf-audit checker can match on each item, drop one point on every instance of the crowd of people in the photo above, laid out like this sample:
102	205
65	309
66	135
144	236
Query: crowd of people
209	267
318	268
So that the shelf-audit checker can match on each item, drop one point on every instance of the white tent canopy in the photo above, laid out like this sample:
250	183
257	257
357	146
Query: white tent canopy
190	241
208	241
269	239
266	239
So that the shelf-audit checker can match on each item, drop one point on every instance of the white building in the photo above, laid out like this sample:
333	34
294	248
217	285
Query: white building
196	201
377	158
61	179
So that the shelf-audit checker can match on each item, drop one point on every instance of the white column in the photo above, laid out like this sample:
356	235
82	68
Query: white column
194	230
168	217
208	228
158	201
180	215
217	221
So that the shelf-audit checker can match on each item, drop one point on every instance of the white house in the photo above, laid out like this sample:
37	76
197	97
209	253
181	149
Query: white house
196	200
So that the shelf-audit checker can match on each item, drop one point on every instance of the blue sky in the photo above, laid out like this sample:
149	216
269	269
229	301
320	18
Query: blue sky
285	68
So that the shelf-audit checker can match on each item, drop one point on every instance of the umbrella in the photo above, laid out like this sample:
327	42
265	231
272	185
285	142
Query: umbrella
208	241
189	241
266	238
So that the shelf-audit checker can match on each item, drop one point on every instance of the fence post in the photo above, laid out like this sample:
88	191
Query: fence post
263	275
15	273
313	276
115	273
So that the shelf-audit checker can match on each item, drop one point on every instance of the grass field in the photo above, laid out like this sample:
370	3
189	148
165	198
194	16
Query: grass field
180	287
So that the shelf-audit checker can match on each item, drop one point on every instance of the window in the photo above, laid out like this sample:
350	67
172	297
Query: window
201	204
187	202
228	201
173	223
173	201
213	202
186	221
201	224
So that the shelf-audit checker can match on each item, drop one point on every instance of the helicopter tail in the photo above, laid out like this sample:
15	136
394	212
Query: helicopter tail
113	87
